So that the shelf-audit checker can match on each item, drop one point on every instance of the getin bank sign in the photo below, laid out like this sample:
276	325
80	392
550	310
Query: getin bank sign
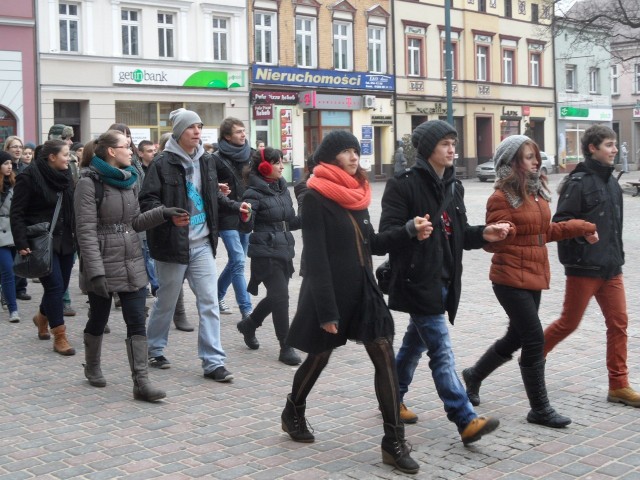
178	77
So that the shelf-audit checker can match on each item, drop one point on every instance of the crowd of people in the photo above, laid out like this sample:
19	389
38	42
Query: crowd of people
143	219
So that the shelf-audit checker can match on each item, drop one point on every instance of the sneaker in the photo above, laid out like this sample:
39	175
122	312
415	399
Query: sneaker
626	396
406	415
477	428
220	374
14	317
159	362
224	308
68	311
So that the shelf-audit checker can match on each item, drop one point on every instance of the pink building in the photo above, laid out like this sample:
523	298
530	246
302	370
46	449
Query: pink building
18	71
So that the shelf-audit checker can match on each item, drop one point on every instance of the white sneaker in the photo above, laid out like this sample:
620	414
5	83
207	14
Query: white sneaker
14	317
224	308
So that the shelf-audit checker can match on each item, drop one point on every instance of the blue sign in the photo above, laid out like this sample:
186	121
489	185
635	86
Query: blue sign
365	147
367	132
270	75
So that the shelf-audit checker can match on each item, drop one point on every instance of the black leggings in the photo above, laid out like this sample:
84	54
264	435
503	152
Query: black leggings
385	379
276	302
133	304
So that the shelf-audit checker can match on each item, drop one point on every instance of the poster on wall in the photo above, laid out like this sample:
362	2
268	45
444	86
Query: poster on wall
366	146
139	134
286	140
209	135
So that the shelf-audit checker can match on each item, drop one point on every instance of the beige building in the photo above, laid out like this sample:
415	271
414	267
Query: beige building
503	77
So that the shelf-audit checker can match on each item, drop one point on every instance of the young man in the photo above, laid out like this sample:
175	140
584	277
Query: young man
184	176
592	193
426	275
147	152
232	157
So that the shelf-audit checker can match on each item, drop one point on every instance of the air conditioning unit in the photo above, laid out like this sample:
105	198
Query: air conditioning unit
369	101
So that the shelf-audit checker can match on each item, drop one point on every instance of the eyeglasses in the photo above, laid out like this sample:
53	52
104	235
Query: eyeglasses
16	146
123	146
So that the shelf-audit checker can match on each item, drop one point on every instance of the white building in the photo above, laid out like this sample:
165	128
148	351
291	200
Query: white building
134	61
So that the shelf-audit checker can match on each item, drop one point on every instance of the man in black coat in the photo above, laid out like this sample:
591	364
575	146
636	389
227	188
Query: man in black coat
425	275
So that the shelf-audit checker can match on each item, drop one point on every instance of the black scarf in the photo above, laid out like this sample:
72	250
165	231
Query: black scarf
240	154
6	188
50	181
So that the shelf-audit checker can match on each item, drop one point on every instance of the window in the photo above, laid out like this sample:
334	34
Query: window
220	31
306	42
342	46
508	66
594	80
508	9
482	62
130	29
265	33
570	78
69	25
377	49
534	13
637	78
614	80
414	57
482	5
534	69
165	35
454	59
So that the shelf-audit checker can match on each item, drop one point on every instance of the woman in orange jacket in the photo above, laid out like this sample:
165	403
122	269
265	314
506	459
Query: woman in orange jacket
520	271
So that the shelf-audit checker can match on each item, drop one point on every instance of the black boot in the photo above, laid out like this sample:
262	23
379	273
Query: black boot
137	353
395	450
247	328
294	422
474	376
180	315
92	351
542	413
288	355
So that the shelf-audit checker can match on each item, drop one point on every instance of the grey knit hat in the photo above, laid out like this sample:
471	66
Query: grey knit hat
427	135
507	150
181	119
335	142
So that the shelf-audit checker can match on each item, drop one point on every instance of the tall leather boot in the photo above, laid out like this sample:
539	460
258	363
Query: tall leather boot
180	315
92	352
294	422
395	450
60	342
42	322
137	353
485	365
542	413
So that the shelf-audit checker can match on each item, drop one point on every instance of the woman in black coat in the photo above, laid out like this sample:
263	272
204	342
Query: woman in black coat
271	248
339	298
34	201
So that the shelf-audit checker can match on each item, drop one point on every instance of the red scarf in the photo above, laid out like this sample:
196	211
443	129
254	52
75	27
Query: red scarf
334	183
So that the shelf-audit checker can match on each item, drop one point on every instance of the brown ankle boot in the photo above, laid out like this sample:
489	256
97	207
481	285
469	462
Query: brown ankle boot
42	322
60	343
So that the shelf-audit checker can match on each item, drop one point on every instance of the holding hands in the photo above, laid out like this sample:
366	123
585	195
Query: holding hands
178	216
497	231
591	238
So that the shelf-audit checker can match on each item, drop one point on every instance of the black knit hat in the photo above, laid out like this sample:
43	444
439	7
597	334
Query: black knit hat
333	144
4	156
427	135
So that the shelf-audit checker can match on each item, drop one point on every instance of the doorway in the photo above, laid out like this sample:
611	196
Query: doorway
484	143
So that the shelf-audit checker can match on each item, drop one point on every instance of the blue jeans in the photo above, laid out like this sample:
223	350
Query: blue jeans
8	278
430	333
201	274
150	267
55	284
237	245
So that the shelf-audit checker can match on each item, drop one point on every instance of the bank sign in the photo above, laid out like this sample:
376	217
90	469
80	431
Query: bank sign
299	77
178	77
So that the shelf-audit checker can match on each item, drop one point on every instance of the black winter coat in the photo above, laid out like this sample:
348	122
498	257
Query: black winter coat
417	266
30	206
591	193
165	184
271	219
232	173
336	288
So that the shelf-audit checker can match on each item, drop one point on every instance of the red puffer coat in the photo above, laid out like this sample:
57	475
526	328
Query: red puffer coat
522	260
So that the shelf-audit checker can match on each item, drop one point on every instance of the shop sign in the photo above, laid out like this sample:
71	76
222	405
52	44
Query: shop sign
178	77
593	114
281	98
263	111
270	75
381	120
510	113
636	113
526	111
426	109
312	99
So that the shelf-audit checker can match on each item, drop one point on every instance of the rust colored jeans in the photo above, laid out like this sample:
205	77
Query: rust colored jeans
612	301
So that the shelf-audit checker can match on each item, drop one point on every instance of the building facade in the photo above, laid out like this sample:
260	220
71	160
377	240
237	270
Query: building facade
134	61
18	71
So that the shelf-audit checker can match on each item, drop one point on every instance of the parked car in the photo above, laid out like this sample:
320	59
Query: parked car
486	171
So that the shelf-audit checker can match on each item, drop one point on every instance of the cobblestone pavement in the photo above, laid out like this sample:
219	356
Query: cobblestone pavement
54	425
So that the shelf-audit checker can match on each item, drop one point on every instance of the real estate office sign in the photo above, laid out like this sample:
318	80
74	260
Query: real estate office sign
178	77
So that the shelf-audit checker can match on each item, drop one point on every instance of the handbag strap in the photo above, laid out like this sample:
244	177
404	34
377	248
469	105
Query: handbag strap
56	213
359	240
445	204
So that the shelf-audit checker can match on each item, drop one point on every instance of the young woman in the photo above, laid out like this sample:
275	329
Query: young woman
339	298
271	248
35	196
111	257
7	250
520	271
14	146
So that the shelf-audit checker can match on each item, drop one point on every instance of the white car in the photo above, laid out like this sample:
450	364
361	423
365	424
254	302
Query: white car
486	171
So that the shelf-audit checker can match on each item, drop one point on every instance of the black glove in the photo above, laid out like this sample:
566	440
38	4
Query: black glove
168	212
99	285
